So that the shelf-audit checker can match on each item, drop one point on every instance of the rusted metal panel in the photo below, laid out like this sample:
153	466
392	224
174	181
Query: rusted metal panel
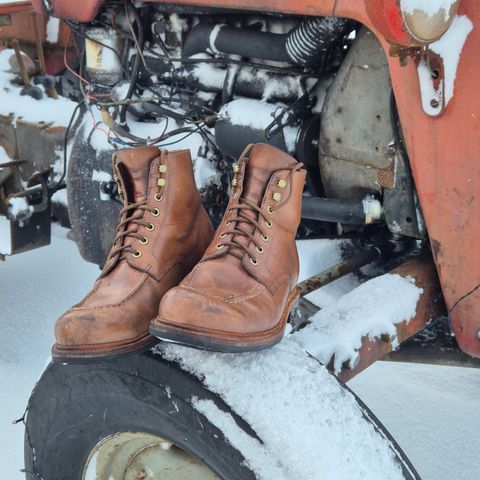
444	154
429	306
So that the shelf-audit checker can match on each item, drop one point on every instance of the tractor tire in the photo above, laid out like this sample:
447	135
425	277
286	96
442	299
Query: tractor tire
74	407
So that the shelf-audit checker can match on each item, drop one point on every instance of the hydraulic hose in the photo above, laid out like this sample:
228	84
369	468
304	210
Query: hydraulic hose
305	45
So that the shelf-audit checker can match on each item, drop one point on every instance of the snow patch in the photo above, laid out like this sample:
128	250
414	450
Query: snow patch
293	404
449	47
19	208
5	240
53	29
337	330
258	115
100	176
47	110
4	158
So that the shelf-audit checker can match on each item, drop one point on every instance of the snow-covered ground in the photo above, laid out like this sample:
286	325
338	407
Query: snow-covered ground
431	411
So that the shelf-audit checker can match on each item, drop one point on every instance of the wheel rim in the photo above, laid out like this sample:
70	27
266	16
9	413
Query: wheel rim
142	456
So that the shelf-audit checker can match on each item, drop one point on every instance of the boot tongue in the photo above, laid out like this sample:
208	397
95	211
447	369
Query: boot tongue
263	161
134	167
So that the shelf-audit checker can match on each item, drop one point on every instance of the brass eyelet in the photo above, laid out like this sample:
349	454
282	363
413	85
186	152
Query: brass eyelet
223	235
254	261
259	250
158	197
282	183
144	240
276	196
137	254
219	245
268	224
264	238
161	182
155	212
227	223
150	227
270	209
162	168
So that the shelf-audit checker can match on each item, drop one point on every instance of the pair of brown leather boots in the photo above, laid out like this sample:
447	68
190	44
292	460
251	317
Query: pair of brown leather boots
169	275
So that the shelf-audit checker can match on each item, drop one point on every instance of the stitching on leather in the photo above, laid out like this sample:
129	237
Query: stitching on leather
254	292
112	305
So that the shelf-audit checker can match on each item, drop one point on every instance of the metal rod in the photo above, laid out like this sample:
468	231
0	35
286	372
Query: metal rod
333	210
21	64
346	266
51	92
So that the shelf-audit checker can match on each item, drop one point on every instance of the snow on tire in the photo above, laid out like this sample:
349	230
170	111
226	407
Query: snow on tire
160	413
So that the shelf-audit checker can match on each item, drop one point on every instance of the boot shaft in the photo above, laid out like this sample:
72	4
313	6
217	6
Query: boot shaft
162	184
273	181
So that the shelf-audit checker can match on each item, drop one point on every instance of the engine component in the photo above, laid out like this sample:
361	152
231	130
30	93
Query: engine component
245	121
357	152
102	63
306	45
347	212
311	42
249	82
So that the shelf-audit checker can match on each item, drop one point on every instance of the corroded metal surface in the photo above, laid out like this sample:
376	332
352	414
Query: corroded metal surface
429	306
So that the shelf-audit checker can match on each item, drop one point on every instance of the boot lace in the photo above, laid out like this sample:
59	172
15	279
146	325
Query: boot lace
241	219
131	215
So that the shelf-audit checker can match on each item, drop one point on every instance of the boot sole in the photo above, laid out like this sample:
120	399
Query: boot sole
104	352
234	344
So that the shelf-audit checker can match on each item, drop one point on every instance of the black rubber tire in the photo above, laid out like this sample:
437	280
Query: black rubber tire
73	407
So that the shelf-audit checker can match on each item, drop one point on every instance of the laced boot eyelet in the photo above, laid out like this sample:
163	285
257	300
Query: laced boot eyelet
260	250
161	182
150	227
227	223
264	238
253	261
282	183
137	254
276	196
158	197
144	240
155	212
270	209
268	224
223	235
219	245
162	168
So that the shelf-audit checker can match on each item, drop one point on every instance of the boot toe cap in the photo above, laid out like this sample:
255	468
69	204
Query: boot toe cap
204	311
89	327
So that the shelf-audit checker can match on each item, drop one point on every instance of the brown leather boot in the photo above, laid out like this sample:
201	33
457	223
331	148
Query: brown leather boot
163	232
240	294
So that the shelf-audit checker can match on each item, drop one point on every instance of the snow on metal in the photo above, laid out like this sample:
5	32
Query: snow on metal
370	310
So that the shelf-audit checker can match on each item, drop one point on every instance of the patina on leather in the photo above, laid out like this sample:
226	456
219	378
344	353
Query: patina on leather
239	295
162	233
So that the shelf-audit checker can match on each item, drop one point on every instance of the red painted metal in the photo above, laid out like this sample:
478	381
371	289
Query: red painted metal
429	306
443	150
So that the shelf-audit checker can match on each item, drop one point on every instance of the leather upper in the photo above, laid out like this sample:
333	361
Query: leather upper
226	293
175	232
